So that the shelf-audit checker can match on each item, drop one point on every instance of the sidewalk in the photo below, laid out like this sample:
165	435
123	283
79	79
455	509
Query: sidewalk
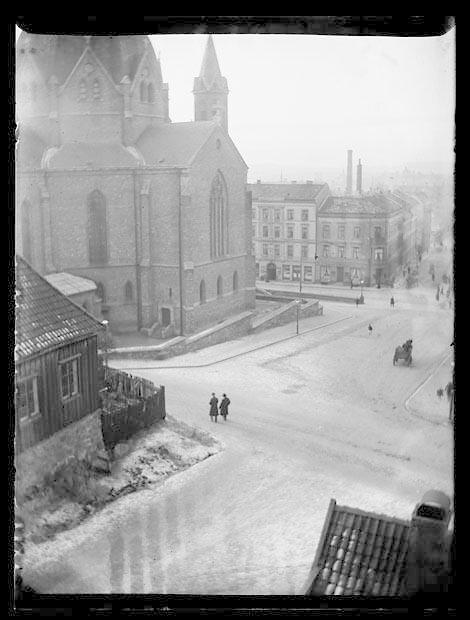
425	402
240	346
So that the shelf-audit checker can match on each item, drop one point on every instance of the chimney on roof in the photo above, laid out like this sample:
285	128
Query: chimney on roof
428	562
258	180
359	178
349	176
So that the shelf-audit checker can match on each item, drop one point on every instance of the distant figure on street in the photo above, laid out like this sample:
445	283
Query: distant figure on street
433	276
223	409
213	412
442	290
357	302
370	329
392	302
440	393
351	284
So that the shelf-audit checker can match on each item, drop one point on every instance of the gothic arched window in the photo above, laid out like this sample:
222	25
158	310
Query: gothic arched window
97	229
150	93
96	90
82	90
218	217
128	291
142	91
235	281
202	292
101	292
219	286
26	239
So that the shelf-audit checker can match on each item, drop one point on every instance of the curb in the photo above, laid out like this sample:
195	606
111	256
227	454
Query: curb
230	357
420	387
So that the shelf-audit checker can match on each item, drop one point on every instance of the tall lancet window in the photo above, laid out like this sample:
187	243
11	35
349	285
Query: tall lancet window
26	239
97	230
218	217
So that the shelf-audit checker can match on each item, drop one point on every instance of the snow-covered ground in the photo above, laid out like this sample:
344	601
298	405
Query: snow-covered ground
313	417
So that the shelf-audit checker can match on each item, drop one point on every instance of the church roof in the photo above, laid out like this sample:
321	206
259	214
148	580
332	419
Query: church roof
373	204
174	144
58	54
285	192
91	155
45	318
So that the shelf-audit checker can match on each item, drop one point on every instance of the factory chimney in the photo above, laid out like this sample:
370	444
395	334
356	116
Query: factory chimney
349	176
359	178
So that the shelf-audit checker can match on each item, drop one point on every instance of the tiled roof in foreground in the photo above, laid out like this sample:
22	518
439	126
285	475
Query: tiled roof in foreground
45	318
360	553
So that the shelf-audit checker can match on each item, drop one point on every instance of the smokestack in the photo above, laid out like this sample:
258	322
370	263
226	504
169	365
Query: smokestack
359	178
349	176
429	544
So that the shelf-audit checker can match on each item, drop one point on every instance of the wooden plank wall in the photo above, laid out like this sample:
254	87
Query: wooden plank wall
55	413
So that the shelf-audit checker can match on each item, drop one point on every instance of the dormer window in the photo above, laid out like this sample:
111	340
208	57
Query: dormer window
142	91
151	93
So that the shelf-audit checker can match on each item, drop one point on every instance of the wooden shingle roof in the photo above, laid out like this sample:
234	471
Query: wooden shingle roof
360	553
45	318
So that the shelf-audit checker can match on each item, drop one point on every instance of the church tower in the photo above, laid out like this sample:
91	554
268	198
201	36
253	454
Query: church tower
210	89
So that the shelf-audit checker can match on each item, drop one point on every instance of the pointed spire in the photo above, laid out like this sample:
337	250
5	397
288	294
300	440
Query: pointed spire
210	69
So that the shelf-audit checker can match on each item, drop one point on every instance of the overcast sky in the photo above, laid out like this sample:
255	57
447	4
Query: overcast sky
298	102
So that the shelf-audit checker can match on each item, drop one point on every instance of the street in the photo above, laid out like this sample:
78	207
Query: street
318	416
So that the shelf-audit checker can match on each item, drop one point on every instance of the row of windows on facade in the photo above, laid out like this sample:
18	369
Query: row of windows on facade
27	399
326	228
341	232
129	290
293	272
327	252
87	88
277	232
202	287
265	214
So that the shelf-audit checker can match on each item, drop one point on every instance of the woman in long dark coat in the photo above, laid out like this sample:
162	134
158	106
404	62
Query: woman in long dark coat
224	403
213	412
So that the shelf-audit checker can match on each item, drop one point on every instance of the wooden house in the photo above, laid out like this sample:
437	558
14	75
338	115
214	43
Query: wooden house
56	360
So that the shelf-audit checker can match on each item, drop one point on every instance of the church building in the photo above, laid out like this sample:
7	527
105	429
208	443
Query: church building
109	189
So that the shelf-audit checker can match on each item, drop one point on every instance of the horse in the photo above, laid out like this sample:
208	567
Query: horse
403	354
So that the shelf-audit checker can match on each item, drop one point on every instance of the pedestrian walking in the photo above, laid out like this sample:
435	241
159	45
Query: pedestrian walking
442	290
213	412
223	409
433	276
357	302
392	302
370	329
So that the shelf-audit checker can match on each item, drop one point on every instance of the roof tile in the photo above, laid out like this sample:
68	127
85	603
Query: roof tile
361	546
45	318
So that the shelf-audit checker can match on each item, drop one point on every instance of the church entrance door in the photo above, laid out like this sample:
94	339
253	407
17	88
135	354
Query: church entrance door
166	316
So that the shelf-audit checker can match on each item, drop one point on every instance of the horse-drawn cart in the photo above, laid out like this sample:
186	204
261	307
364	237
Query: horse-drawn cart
403	353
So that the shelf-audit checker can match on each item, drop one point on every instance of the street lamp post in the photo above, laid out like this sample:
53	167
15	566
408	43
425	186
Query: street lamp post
105	323
298	302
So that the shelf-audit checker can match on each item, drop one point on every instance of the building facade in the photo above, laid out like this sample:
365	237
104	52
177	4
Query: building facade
284	229
360	239
108	188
